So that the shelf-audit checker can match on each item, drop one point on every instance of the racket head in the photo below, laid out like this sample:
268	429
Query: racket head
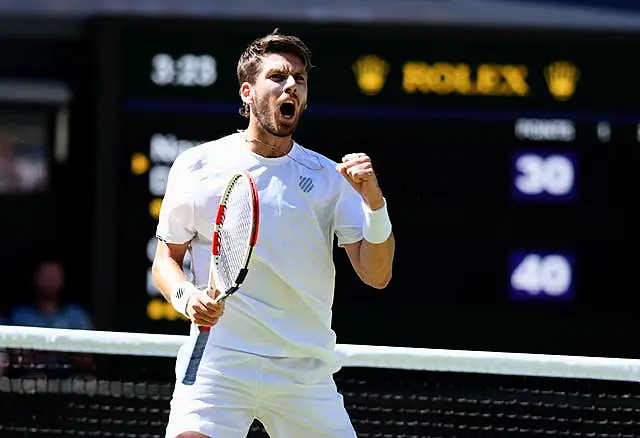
235	234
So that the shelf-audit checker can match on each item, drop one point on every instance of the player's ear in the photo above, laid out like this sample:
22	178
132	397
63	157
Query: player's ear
245	93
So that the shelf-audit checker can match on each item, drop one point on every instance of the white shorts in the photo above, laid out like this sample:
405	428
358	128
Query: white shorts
291	397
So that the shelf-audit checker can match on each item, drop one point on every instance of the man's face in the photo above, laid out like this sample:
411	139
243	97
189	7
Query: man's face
49	279
279	94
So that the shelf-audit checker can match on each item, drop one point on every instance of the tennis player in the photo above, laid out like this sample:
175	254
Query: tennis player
271	350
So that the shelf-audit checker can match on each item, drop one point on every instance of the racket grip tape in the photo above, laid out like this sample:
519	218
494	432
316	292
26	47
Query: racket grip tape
196	356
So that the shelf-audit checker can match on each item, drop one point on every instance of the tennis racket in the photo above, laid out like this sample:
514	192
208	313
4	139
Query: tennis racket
235	235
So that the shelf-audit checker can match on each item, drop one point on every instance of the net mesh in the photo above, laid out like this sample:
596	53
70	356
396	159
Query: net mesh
101	390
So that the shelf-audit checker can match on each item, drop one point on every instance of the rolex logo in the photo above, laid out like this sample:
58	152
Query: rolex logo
562	78
371	73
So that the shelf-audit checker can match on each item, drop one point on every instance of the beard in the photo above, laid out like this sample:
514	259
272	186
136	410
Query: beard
268	118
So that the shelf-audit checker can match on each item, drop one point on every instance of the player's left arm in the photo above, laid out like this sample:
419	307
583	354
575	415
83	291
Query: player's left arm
371	257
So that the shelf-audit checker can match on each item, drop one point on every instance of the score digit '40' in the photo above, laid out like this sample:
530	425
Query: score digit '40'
541	277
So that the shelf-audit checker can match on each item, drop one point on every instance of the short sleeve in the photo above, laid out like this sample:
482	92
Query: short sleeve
176	219
349	216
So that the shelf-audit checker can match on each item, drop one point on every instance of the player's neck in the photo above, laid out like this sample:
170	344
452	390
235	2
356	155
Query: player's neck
261	142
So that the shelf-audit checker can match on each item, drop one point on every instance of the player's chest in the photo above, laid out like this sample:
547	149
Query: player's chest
292	201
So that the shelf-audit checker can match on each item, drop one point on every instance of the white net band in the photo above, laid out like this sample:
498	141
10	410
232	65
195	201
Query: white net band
420	359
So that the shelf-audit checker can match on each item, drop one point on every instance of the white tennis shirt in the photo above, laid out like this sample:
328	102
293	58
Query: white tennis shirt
284	307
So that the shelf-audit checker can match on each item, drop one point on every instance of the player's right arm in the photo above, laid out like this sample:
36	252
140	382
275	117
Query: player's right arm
167	266
175	231
171	280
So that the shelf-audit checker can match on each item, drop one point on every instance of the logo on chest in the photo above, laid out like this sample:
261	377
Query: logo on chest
305	183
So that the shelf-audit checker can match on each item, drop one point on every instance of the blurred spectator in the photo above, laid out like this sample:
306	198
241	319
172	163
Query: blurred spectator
48	309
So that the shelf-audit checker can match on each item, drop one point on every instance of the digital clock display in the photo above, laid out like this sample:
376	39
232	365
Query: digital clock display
187	70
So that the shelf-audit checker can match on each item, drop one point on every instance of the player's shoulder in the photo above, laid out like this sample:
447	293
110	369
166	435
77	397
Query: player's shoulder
197	156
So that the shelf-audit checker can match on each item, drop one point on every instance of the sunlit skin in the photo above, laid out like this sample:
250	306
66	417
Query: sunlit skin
282	78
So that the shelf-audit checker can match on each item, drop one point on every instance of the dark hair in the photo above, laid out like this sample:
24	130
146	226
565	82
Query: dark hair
275	42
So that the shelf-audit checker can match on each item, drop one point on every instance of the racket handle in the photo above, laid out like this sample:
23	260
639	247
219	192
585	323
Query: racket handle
196	356
198	349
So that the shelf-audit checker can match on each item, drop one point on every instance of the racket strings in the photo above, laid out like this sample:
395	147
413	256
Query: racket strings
235	234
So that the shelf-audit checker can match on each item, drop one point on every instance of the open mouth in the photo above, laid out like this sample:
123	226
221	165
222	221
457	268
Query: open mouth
288	110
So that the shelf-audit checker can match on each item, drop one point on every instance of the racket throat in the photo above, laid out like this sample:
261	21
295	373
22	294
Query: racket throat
234	288
241	276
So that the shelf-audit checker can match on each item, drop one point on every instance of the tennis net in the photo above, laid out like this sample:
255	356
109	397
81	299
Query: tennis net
109	384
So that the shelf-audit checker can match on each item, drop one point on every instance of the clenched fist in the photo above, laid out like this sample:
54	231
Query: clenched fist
358	171
201	309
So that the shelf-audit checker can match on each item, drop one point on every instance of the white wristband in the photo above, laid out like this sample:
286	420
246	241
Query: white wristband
377	225
180	296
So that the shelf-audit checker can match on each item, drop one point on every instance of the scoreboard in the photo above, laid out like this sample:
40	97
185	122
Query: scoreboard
508	158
